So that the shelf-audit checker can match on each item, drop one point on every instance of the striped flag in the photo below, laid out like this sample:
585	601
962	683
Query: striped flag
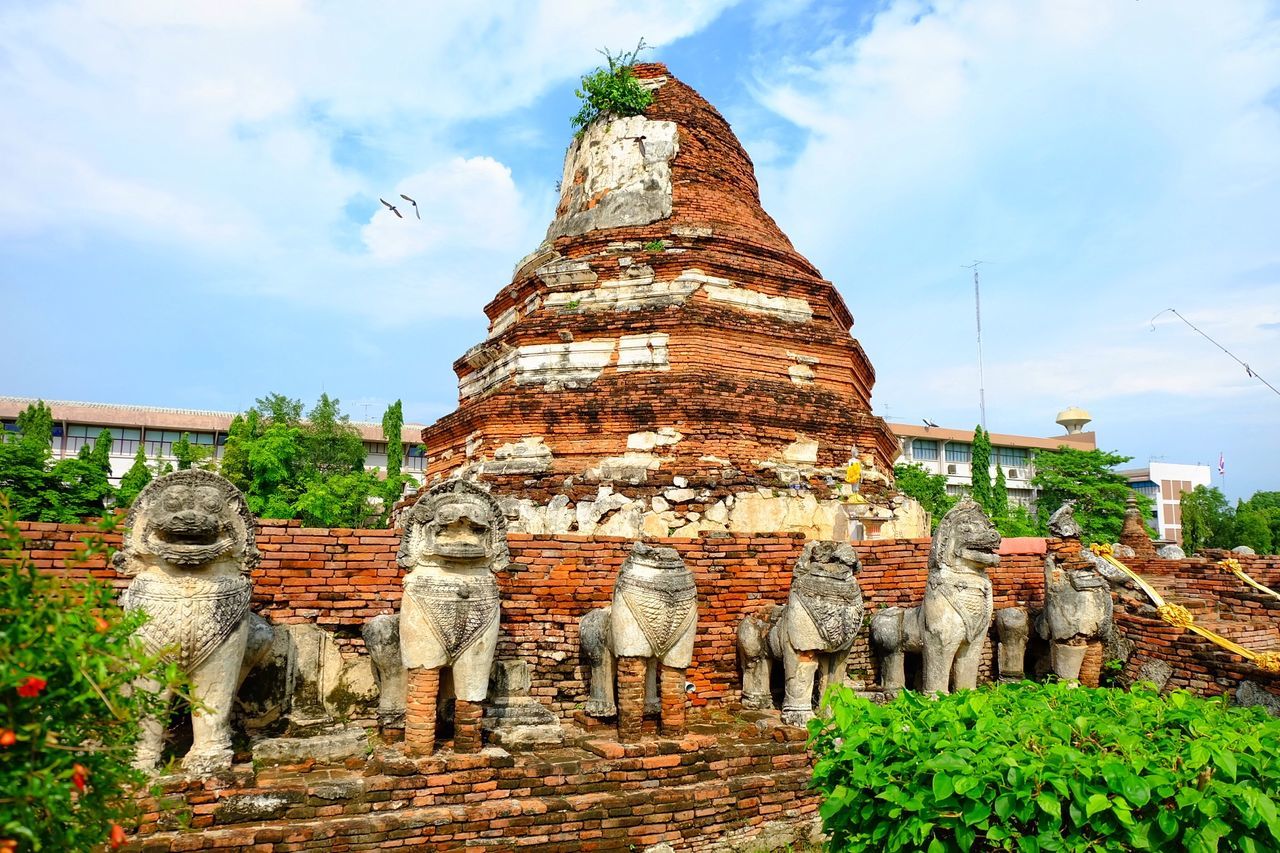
1222	465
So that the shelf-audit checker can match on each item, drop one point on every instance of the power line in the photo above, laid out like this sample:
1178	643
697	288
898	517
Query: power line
977	309
1247	369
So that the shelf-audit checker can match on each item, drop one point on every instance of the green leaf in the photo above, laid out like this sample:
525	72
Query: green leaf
976	813
1096	803
1135	790
1004	805
942	786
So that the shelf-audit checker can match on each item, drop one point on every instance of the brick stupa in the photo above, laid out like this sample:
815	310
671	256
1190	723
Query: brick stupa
666	363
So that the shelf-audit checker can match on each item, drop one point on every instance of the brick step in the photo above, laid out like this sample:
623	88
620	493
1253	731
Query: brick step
599	820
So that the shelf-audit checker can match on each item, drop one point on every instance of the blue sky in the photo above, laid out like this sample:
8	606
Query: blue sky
189	212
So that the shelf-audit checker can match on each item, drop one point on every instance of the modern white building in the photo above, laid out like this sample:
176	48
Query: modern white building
1165	483
76	424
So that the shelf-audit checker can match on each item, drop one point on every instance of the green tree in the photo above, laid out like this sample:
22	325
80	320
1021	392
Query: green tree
392	426
25	459
1207	519
1085	476
1251	529
339	500
190	455
68	718
134	480
310	469
80	487
331	444
1267	504
393	487
980	468
999	508
929	489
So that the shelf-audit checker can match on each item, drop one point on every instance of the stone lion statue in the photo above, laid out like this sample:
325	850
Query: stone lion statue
1077	609
949	627
644	641
455	539
811	634
189	547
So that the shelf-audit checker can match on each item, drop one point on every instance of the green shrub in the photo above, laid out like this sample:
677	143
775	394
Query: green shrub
613	90
68	720
1033	767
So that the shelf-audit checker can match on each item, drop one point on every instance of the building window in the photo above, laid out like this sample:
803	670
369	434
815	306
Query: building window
415	457
125	441
957	452
81	435
1011	456
379	447
925	449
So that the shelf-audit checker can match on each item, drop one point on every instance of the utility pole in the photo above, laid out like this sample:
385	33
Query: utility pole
977	307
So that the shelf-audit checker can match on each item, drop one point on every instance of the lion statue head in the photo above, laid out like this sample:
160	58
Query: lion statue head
965	540
191	520
834	561
456	521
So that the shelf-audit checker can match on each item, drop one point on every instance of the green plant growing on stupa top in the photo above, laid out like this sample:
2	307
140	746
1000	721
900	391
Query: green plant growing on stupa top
613	90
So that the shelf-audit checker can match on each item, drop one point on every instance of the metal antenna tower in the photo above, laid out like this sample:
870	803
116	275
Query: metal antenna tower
977	307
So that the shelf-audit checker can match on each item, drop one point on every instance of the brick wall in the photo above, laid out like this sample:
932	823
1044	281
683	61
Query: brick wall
340	578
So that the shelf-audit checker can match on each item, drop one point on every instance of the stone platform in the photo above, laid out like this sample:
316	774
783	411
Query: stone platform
732	779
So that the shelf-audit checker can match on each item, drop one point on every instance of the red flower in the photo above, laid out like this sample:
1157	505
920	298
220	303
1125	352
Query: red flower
7	737
117	836
79	773
100	625
8	845
31	687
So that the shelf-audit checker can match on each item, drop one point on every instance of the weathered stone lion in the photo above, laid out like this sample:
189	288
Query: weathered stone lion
455	538
811	634
644	641
950	625
189	547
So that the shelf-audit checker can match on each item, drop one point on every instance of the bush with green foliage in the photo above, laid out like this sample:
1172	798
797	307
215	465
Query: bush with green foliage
310	469
40	489
1085	476
613	90
68	720
1208	521
1034	767
930	490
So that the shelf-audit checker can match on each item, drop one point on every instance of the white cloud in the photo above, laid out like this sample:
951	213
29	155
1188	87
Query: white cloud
470	203
227	129
1109	159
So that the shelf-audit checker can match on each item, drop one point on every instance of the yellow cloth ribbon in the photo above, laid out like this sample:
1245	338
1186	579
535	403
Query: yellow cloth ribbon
1233	565
1180	617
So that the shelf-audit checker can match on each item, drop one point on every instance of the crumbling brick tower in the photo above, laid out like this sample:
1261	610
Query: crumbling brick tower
666	363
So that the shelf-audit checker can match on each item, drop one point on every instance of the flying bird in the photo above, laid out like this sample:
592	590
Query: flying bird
391	207
929	423
412	202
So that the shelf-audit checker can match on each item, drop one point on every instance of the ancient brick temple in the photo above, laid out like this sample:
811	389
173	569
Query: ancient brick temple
666	363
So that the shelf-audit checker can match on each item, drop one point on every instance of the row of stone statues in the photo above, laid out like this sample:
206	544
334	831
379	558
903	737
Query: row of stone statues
190	549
